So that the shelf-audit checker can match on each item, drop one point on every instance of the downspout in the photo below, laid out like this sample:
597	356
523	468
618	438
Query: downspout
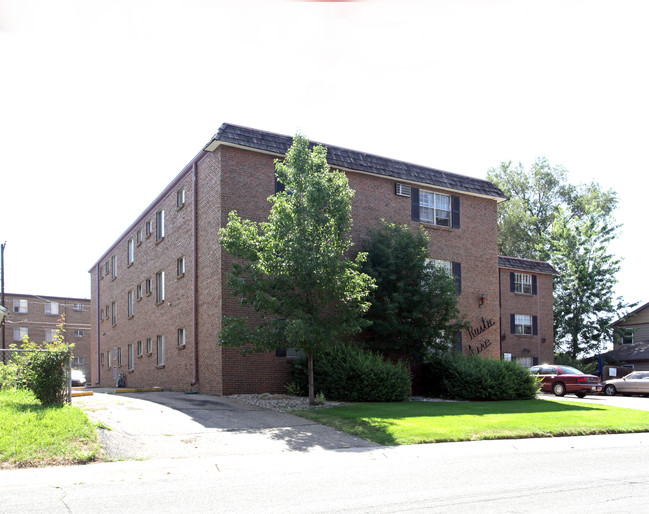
195	266
97	320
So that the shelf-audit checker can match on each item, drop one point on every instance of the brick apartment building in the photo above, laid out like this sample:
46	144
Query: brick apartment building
158	293
39	316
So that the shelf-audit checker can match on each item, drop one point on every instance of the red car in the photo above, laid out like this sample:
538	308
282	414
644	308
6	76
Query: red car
566	379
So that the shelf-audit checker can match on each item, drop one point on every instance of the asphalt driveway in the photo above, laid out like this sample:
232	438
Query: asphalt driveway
178	425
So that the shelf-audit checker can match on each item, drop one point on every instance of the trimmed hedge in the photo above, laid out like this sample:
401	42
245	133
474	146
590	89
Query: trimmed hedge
348	373
464	377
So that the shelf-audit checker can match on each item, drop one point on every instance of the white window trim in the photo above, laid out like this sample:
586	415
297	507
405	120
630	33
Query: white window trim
521	324
160	350
430	203
523	283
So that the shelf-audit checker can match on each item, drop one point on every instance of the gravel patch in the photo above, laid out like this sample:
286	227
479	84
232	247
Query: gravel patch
281	402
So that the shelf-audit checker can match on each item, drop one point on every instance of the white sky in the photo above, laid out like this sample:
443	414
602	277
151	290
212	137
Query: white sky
103	102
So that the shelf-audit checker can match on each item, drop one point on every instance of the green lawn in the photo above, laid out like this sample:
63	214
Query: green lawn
430	422
35	435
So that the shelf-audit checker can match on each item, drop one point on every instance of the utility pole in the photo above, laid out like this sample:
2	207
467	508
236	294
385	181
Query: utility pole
2	292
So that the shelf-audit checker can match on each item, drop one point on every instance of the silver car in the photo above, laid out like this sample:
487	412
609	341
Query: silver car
634	383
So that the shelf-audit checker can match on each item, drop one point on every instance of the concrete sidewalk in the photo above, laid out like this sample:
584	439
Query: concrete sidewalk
152	425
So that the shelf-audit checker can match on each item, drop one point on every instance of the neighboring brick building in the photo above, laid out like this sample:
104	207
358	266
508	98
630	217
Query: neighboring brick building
527	329
158	293
39	316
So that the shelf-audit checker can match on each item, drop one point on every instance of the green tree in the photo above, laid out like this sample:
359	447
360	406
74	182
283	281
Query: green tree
414	306
547	218
294	270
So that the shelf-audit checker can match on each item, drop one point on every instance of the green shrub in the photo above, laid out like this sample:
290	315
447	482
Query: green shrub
348	373
473	378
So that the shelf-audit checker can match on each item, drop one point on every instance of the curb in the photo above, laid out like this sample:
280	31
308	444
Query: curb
137	390
81	393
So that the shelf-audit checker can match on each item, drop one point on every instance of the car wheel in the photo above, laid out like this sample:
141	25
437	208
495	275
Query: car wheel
559	389
581	395
610	390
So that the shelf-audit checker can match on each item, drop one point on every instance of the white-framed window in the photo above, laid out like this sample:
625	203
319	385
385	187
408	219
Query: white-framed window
130	357
148	228
138	236
180	266
107	311
77	361
102	359
523	324
131	303
147	286
160	286
50	335
51	308
435	208
139	348
138	292
20	333
445	265
130	251
107	268
21	306
626	336
523	283
77	307
78	333
160	350
113	307
149	346
180	197
160	224
109	358
113	266
181	337
119	356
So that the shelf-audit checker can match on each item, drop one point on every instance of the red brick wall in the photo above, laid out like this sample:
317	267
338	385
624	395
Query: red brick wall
541	345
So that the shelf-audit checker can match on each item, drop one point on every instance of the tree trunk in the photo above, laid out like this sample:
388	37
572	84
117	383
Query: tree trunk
309	358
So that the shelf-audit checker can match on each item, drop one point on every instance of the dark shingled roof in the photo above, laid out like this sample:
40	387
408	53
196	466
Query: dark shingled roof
630	352
526	265
338	157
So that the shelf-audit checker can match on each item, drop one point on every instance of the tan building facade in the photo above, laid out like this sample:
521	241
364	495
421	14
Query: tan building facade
38	317
159	294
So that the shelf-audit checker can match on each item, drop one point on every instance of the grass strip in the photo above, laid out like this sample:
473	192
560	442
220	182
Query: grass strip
32	434
431	422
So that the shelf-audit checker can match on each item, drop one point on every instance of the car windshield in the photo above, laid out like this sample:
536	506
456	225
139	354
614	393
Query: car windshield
570	370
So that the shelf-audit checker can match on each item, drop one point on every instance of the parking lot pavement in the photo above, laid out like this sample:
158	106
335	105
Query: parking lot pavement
178	425
627	402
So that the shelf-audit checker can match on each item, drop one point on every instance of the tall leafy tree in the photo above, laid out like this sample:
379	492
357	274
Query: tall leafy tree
414	306
294	270
547	218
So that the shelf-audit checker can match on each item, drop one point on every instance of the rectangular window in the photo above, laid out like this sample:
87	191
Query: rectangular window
20	333
435	208
102	358
113	307
130	357
149	346
77	361
131	303
138	236
147	286
139	348
52	308
181	337
119	356
138	292
626	336
107	312
50	334
160	349
148	228
160	225
523	324
77	307
130	252
109	358
107	267
160	287
445	265
79	333
523	283
20	306
113	265
180	266
180	198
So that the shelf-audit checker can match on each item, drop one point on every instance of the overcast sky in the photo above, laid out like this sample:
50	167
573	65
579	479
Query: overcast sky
103	102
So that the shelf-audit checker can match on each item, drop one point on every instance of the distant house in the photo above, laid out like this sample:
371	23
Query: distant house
631	341
38	317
